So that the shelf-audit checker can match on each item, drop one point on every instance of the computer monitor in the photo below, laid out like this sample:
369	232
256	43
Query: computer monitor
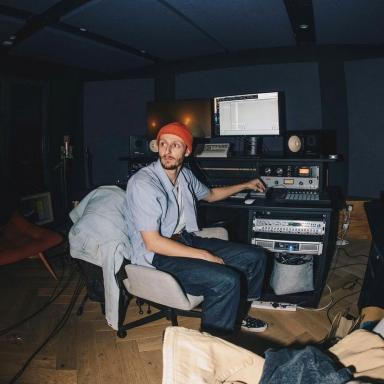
257	114
196	114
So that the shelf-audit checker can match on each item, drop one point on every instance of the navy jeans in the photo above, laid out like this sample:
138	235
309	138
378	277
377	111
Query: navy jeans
220	284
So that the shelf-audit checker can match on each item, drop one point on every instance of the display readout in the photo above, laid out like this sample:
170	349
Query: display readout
304	171
289	181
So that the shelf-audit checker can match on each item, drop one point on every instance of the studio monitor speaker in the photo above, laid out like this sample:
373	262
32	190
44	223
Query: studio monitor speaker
310	143
138	146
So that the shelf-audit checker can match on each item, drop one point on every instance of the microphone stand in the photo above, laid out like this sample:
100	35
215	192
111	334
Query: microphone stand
66	154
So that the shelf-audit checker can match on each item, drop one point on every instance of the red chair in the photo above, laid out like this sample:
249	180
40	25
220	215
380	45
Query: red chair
20	239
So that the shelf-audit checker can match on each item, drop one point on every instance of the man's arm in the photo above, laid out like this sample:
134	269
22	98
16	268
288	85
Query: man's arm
156	243
222	193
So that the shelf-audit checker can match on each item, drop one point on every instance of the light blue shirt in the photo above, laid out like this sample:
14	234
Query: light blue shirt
152	206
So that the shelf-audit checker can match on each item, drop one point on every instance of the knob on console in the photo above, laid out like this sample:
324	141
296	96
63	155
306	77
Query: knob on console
279	171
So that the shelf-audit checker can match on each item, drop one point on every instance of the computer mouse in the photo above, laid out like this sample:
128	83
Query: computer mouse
249	201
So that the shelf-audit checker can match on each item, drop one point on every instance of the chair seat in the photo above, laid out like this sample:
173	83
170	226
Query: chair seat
159	287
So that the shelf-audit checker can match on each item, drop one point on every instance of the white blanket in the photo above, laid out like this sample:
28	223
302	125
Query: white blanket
99	236
192	357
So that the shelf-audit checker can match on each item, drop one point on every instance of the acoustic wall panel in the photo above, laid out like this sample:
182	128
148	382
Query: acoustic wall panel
113	111
365	92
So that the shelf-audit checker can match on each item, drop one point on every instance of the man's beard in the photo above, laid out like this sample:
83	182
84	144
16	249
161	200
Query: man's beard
172	166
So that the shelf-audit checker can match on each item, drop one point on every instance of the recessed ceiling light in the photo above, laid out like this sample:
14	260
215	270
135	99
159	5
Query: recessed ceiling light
12	37
303	26
82	29
7	43
143	51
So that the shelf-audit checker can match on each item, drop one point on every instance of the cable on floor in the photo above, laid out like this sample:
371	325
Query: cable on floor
322	308
55	331
51	299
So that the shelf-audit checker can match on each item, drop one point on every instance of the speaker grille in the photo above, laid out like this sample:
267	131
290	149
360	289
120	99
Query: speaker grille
138	146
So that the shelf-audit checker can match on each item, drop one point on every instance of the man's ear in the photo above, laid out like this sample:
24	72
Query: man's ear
187	152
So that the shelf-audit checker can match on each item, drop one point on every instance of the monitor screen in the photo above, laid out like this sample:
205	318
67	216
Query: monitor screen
196	114
247	115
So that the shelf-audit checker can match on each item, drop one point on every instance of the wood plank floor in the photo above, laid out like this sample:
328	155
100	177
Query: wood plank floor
85	350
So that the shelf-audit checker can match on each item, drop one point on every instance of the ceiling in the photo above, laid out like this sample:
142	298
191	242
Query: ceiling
122	37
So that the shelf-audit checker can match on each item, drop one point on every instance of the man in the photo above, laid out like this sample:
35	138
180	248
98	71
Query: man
161	219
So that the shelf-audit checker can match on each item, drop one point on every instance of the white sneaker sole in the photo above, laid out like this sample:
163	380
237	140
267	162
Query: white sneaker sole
254	330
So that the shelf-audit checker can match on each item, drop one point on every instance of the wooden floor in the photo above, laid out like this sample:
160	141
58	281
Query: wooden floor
87	351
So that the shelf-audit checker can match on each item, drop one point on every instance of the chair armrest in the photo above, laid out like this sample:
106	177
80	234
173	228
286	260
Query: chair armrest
216	232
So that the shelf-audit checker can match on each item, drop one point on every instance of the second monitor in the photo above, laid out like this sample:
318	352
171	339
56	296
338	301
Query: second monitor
251	116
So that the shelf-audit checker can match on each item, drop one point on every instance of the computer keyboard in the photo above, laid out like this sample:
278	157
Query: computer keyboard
239	195
299	195
302	195
284	194
256	194
212	150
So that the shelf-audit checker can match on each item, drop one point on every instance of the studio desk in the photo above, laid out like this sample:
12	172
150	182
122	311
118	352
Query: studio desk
279	226
273	225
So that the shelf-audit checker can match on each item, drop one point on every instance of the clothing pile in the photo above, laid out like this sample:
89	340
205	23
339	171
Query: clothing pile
99	236
190	356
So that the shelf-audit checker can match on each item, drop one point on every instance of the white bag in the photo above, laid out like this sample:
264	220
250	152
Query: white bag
292	274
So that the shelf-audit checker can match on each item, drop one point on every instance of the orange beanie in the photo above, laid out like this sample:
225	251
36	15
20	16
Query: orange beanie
177	129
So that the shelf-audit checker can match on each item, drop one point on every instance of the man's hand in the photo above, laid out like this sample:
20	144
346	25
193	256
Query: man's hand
156	243
221	193
211	258
256	185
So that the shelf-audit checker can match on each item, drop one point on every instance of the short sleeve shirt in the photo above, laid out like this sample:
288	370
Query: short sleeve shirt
152	206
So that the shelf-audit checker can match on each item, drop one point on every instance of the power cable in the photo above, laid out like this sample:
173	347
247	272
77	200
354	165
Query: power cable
337	301
346	265
322	308
55	331
52	298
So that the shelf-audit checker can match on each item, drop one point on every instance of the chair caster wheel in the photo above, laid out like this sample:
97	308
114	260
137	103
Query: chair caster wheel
121	333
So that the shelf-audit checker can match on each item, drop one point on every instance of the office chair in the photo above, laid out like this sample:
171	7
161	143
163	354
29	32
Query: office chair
162	291
143	284
21	239
103	211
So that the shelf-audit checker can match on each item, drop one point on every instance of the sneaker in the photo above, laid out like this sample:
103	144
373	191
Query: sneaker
250	299
251	324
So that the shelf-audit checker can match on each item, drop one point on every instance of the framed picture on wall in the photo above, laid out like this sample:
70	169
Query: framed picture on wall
38	208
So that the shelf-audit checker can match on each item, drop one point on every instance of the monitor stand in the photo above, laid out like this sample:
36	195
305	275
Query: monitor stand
253	146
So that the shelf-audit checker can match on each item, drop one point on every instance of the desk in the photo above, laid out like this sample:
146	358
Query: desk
238	218
372	291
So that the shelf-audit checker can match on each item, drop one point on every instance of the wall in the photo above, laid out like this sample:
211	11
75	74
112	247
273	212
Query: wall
298	81
365	93
34	117
328	94
310	91
113	110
